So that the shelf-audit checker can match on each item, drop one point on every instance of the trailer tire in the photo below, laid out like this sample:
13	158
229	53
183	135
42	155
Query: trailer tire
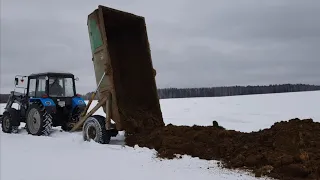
10	121
94	128
38	114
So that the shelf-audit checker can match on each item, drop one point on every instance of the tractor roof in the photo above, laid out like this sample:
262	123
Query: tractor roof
65	74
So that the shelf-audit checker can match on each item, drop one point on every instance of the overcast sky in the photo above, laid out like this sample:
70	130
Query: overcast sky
193	44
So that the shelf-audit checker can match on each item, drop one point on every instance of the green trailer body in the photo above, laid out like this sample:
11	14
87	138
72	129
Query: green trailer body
120	50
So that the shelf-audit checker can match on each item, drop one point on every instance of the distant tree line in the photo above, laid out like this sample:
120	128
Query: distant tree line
233	90
217	91
228	90
4	98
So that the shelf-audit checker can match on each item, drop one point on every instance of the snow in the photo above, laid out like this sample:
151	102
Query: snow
65	156
244	113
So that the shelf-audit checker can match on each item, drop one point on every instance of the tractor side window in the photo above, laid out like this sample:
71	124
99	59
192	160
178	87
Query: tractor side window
32	88
41	90
68	82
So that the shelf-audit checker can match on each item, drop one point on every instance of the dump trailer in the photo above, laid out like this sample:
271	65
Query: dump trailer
124	74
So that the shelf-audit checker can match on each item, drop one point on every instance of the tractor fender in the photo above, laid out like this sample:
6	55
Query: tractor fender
78	102
15	116
48	104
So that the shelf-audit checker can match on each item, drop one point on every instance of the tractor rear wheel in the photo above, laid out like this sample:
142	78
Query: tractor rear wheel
38	121
10	120
68	125
94	128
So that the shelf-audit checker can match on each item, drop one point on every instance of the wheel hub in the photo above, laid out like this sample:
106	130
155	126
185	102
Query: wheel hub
92	132
6	123
34	121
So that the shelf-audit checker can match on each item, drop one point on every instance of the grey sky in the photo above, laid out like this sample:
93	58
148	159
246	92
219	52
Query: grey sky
211	43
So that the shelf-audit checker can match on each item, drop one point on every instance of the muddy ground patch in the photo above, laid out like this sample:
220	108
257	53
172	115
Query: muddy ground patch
286	150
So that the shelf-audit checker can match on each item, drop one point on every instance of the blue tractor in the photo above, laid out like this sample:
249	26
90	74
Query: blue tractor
48	100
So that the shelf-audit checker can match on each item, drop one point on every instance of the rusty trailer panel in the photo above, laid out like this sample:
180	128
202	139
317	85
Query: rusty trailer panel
120	49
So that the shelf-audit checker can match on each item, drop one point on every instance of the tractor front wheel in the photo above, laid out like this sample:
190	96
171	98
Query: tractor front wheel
10	121
38	121
94	128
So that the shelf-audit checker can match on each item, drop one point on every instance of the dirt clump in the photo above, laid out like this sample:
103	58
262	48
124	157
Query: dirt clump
141	120
286	150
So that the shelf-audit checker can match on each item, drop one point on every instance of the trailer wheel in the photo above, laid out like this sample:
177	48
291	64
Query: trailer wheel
10	121
38	121
94	128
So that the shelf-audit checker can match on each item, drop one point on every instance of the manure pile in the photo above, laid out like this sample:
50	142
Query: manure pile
286	150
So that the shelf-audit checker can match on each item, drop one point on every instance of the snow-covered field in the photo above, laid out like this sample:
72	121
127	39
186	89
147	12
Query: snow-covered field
65	156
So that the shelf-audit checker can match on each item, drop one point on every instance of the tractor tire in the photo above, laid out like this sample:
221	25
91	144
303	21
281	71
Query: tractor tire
10	121
72	120
65	127
38	121
94	128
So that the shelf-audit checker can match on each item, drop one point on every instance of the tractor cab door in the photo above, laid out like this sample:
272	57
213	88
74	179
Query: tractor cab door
32	86
37	87
31	92
42	90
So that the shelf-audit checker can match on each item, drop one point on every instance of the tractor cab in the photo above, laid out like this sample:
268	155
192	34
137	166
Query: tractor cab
58	88
52	85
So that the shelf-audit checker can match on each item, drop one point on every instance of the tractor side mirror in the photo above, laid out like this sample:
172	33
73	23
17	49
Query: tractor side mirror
77	79
16	80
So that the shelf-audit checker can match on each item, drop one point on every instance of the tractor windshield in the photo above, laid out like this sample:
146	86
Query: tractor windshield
61	87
